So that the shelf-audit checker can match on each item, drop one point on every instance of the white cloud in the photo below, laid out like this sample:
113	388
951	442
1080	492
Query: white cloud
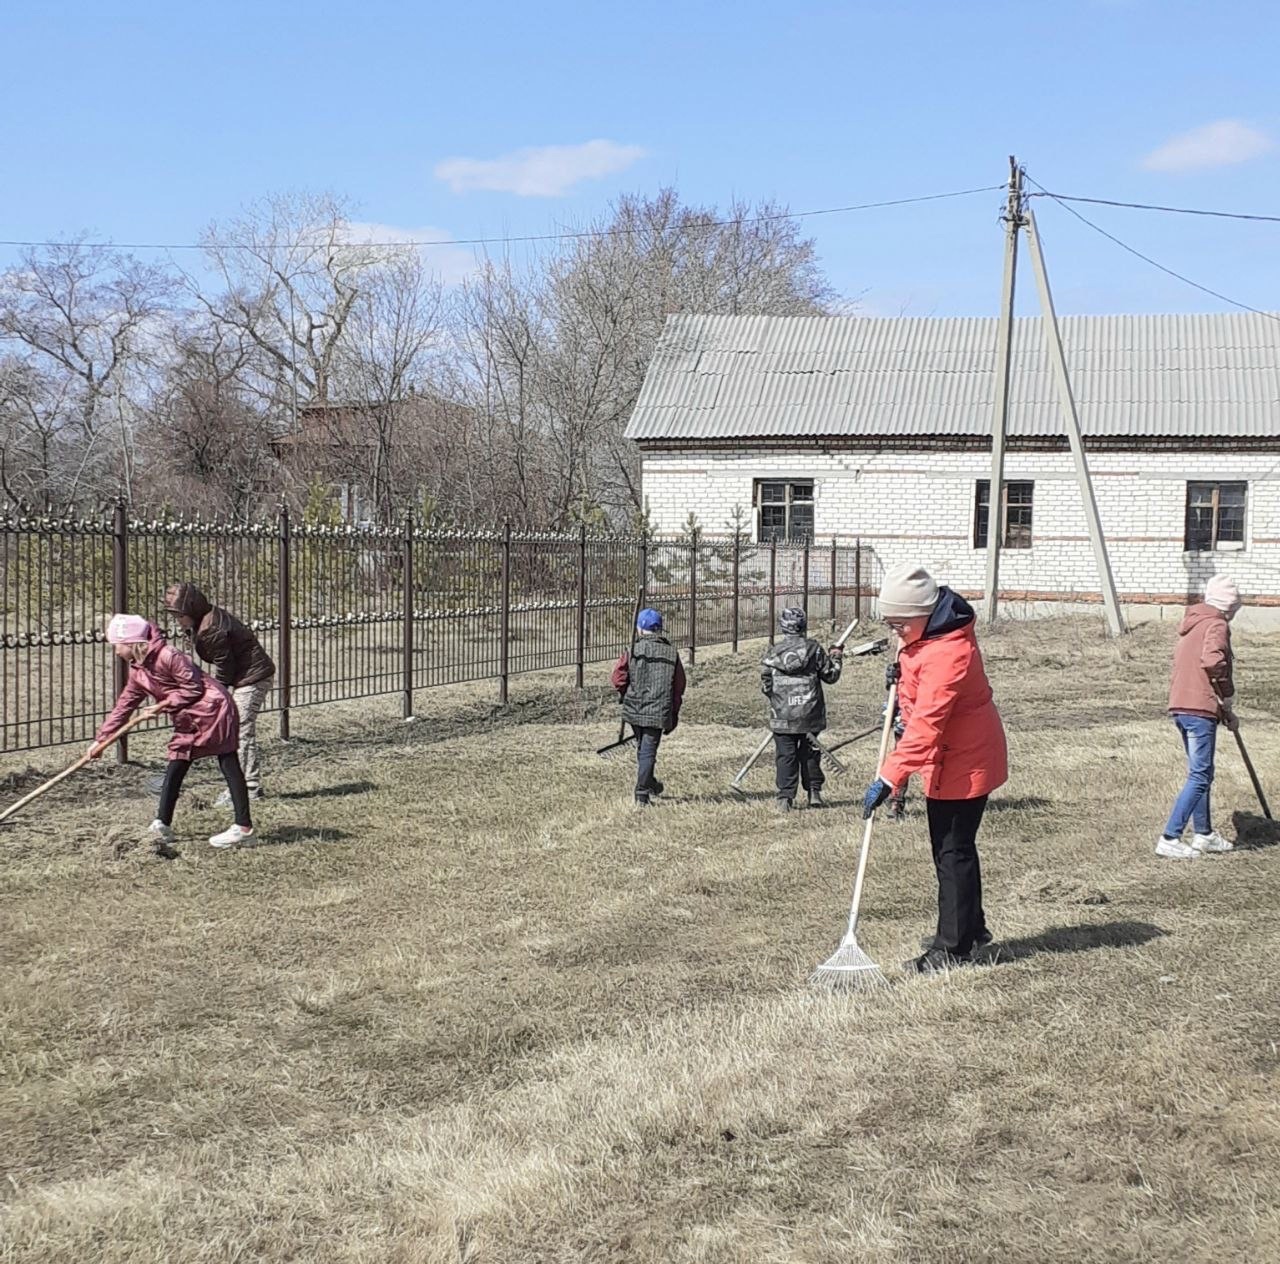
547	171
452	264
1220	144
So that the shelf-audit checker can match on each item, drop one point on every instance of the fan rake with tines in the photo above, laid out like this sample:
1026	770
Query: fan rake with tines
849	968
626	740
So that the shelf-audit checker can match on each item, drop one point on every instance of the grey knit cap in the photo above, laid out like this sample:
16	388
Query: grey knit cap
793	621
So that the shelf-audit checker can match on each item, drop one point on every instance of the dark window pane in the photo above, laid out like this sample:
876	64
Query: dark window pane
1017	530
1231	525
802	522
801	491
981	513
1215	515
773	493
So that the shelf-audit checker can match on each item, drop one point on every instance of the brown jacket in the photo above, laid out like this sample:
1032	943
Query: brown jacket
1202	664
234	653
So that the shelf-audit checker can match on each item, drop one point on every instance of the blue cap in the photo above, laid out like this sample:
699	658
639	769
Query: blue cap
649	621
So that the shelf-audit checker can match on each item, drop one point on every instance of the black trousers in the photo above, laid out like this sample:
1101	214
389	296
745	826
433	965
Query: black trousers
953	832
798	760
647	740
175	774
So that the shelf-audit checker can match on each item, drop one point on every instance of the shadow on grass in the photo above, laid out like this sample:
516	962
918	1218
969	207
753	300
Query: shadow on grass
299	834
1253	832
330	792
1076	939
1019	803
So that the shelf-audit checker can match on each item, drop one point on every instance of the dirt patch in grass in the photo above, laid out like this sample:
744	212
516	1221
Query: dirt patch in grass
465	1003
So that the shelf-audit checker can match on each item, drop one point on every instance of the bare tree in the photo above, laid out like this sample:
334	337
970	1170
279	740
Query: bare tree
204	443
501	340
610	295
291	279
384	367
78	327
553	361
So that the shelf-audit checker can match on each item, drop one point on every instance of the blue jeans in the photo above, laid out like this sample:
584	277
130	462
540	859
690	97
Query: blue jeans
1199	738
647	741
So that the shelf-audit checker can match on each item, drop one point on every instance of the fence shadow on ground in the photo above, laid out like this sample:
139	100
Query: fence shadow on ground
1081	938
298	834
1253	832
1019	803
329	792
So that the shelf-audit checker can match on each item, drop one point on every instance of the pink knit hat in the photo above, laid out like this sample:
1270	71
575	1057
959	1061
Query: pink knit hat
128	629
1222	594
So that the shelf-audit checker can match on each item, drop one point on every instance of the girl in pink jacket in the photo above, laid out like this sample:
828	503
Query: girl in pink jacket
204	720
1201	696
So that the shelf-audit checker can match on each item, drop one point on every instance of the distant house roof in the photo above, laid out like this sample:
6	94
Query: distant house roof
744	377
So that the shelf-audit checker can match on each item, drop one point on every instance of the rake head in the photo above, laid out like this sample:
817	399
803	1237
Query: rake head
831	763
849	969
615	750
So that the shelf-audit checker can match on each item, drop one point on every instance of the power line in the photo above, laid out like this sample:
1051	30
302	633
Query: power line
1148	206
1186	280
510	241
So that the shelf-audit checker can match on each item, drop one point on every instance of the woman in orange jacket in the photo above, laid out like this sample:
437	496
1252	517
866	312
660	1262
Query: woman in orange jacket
953	738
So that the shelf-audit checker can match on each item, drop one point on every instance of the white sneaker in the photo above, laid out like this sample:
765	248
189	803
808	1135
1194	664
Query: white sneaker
230	837
1211	842
1175	849
160	832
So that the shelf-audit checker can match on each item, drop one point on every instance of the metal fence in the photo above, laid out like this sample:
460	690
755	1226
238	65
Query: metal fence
354	612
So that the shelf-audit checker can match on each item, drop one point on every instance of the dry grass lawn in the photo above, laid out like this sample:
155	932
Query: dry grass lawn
464	1003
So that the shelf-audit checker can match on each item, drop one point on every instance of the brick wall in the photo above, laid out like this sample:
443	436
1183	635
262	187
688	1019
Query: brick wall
919	507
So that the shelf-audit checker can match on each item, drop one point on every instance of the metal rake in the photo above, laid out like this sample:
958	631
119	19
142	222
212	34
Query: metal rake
849	968
615	749
829	761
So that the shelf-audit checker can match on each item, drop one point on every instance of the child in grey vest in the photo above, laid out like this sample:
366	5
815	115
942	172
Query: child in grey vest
651	683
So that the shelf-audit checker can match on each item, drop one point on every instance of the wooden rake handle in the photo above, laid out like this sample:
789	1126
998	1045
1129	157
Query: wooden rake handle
886	729
1253	776
133	721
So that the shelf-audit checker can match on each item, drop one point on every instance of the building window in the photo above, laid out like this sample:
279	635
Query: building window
784	511
1015	513
1215	516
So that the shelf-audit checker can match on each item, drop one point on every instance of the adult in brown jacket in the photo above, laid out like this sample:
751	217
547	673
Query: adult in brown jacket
1201	696
238	661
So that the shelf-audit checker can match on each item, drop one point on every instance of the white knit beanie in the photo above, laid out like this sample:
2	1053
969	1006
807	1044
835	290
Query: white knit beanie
1222	594
907	592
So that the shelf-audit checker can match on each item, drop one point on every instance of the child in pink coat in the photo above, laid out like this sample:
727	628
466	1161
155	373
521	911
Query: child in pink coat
204	720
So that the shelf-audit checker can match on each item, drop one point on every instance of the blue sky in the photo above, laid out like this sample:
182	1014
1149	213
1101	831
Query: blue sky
143	122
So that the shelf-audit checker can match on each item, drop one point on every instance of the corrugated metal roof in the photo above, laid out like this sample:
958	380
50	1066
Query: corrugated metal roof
729	377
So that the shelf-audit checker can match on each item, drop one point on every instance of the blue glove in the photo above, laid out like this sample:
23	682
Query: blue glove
892	674
877	792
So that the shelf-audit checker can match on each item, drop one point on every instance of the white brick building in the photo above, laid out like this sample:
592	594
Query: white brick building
879	431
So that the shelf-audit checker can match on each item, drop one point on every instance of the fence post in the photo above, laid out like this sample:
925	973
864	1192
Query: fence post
407	567
504	617
581	638
834	563
644	572
804	603
693	597
773	586
857	579
120	602
285	601
737	563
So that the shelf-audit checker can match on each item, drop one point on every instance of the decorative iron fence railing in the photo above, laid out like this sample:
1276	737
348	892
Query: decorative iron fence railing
352	612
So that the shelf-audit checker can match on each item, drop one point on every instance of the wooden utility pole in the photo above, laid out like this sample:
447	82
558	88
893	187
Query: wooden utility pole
1000	420
1066	400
